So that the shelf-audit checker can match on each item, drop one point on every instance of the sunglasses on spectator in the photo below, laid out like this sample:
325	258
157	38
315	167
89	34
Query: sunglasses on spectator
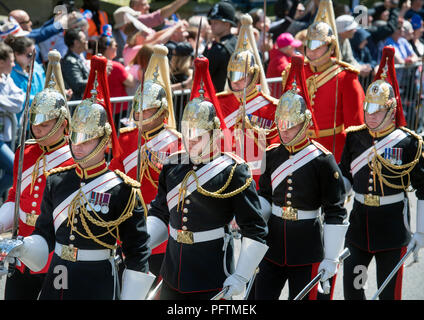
29	55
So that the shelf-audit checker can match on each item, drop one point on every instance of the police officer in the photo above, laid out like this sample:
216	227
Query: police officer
159	137
300	179
200	191
86	208
49	125
381	161
221	18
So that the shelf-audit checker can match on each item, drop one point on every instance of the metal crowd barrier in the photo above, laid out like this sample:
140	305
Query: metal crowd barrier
407	75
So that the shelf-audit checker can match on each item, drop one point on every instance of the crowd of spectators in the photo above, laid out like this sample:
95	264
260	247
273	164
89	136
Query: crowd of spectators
127	36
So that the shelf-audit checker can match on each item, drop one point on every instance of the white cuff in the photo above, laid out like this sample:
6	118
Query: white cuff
157	231
7	212
265	208
334	237
135	284
34	253
251	254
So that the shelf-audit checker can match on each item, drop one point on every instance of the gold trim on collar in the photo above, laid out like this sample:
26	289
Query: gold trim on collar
91	172
323	67
385	132
154	132
299	146
58	144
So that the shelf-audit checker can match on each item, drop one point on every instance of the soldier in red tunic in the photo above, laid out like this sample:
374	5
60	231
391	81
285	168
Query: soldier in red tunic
49	123
159	137
252	127
330	81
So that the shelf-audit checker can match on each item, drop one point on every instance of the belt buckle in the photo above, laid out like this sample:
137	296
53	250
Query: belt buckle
372	200
184	236
289	213
69	253
31	219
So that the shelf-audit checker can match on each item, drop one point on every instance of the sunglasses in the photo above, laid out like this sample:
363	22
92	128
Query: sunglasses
29	55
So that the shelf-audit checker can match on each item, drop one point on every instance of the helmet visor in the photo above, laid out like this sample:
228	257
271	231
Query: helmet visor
370	107
314	44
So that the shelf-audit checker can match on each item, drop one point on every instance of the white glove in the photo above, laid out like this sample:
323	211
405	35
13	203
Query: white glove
34	253
157	231
236	286
7	211
329	267
136	285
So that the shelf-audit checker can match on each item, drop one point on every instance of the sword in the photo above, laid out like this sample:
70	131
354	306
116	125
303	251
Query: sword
243	110
250	284
140	130
21	151
153	293
198	38
335	116
345	253
220	294
263	30
394	271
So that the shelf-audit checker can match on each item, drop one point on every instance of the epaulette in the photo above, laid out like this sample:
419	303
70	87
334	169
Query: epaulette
356	128
223	93
348	66
411	132
127	129
127	180
321	147
235	157
61	169
272	146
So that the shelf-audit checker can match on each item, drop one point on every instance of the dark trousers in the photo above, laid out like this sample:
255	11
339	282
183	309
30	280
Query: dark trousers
23	286
271	279
356	265
168	293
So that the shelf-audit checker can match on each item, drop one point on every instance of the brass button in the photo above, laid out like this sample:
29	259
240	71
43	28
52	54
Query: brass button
185	219
36	188
370	181
185	210
39	180
33	212
36	195
34	204
289	203
289	181
72	237
187	201
289	195
184	228
290	188
369	188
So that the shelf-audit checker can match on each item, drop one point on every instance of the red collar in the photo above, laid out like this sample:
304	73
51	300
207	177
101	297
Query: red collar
299	146
91	172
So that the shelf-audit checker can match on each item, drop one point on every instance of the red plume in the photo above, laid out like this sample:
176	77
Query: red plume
98	64
388	57
296	69
201	74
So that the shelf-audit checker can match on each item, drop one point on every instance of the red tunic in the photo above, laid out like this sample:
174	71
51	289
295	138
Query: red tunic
260	110
350	99
55	156
161	142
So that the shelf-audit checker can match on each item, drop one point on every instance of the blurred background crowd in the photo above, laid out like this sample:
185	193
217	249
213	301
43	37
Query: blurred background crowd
126	33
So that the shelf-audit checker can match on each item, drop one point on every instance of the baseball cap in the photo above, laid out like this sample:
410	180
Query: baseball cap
416	21
345	23
286	39
13	28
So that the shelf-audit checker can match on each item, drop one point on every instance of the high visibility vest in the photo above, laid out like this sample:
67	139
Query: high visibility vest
92	30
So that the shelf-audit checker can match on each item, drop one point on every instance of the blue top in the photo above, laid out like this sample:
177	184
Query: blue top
402	47
21	80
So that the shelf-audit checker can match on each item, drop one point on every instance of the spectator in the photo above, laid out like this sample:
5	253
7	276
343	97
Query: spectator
360	51
96	18
47	30
280	55
75	20
416	42
137	66
23	49
416	8
180	35
404	54
301	36
205	31
221	18
157	17
181	66
12	100
138	35
74	66
118	78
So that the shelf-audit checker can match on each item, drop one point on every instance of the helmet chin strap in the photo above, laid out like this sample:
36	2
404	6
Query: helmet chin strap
208	149
389	113
293	141
324	58
99	148
52	132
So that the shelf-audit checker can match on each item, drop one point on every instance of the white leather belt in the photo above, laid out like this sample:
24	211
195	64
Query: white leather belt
73	254
188	237
289	213
376	201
